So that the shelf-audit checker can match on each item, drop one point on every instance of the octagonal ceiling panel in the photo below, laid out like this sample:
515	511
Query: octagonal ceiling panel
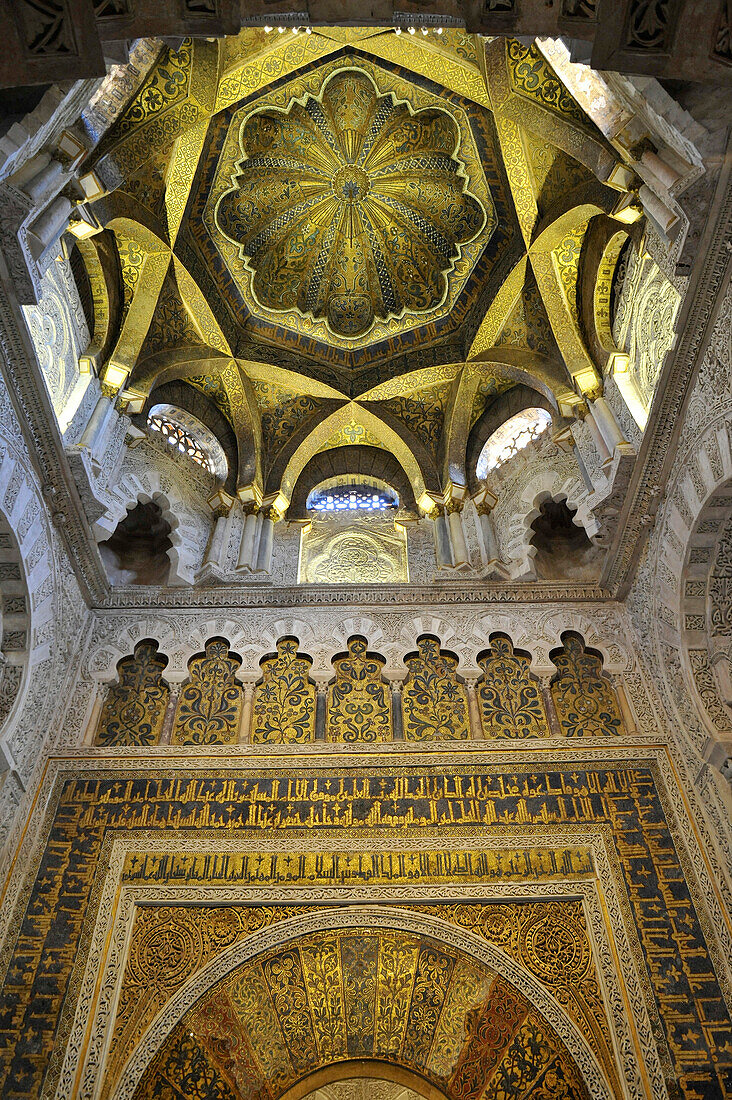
351	212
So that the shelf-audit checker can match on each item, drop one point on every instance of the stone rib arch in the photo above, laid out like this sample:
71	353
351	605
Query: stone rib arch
201	407
15	622
28	584
327	467
496	413
385	436
406	1084
286	933
704	616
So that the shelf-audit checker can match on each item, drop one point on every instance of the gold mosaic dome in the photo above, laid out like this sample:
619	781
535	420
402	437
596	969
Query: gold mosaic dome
350	207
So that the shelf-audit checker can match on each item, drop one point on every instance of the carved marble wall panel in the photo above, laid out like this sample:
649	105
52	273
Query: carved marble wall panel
356	550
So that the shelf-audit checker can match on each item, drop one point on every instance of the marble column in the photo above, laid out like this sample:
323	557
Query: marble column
460	554
597	437
245	729
488	533
442	540
321	701
266	542
248	533
96	422
49	225
607	424
396	709
476	727
97	430
216	543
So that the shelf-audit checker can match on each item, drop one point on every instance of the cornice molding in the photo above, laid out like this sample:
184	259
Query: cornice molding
393	596
696	322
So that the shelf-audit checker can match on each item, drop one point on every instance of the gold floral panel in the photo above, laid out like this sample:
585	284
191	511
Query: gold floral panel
509	698
284	699
358	705
134	710
434	700
583	697
210	702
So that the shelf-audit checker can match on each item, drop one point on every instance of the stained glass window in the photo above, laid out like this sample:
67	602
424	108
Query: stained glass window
178	437
510	438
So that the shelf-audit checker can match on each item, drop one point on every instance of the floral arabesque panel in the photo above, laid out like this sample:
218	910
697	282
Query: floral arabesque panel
359	699
434	700
284	699
509	698
584	700
134	710
210	701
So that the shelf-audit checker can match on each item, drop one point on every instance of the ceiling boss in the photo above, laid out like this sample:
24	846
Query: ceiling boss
350	207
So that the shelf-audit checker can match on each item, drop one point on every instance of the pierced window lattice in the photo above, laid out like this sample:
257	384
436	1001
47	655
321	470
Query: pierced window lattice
510	438
343	498
181	439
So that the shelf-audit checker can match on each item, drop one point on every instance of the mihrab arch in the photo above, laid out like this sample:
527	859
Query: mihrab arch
305	999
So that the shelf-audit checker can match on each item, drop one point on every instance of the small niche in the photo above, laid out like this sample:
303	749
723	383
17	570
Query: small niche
563	550
137	552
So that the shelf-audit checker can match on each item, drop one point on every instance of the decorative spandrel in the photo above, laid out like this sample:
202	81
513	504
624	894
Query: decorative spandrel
210	701
349	207
584	699
284	699
359	699
134	710
434	701
509	698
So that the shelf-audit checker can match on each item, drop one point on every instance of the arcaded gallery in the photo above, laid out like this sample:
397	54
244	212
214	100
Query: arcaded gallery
366	550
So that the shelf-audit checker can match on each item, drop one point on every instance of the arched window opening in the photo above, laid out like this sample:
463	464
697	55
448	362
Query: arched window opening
563	550
512	436
359	496
137	552
189	436
180	438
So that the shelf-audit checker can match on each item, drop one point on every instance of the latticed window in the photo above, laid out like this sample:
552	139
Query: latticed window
510	438
178	437
343	498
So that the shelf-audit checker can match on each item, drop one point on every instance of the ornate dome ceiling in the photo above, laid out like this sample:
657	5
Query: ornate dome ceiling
350	207
349	214
352	238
